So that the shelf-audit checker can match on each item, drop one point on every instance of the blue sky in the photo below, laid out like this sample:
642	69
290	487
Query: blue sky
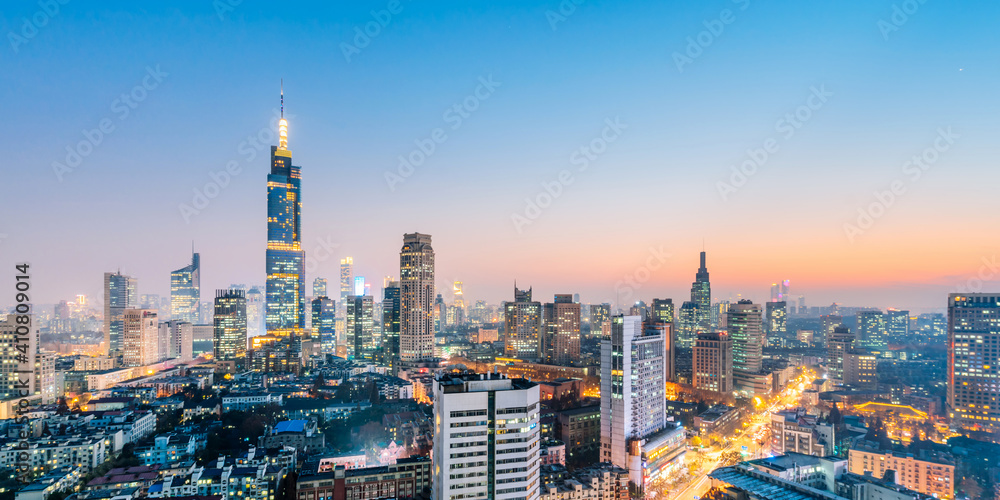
560	79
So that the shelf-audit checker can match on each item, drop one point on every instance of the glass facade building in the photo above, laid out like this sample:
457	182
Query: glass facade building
185	292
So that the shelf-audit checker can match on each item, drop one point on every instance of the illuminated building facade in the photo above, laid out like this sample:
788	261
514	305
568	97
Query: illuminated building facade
928	473
185	291
360	327
346	279
390	323
319	287
663	310
561	323
838	343
744	324
712	366
701	295
285	293
687	322
230	321
120	293
775	324
324	323
416	288
255	312
897	323
871	329
974	361
860	369
600	314
140	337
522	327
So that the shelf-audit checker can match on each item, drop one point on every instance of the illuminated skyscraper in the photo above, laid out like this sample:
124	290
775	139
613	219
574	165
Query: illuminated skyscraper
871	330
230	321
120	293
561	325
286	280
324	317
600	315
346	280
897	324
319	287
701	295
838	344
416	284
522	333
744	324
359	285
360	327
185	291
712	366
779	291
390	323
255	312
775	324
140	337
663	310
687	322
974	361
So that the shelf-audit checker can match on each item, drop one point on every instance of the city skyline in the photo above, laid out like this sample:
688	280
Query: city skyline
670	126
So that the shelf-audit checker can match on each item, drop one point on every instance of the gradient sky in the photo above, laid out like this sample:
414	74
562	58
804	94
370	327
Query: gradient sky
656	186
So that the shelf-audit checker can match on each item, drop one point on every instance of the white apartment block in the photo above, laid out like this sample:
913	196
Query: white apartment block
486	438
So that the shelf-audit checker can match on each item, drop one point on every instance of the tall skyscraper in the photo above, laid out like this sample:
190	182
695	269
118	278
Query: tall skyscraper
838	344
897	323
140	337
523	327
633	401
360	327
655	327
255	312
871	330
776	317
486	437
230	320
829	321
744	324
390	323
346	279
779	291
319	287
324	322
180	339
416	284
687	324
974	361
561	324
120	293
286	279
600	314
663	310
701	295
712	364
185	291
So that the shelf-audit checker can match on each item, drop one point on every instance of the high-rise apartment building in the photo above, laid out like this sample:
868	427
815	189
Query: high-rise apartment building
255	312
838	344
712	364
687	324
634	425
285	295
561	325
120	293
185	291
390	323
360	327
523	327
486	437
701	295
744	324
871	330
140	337
829	321
18	350
179	337
860	367
319	287
346	280
416	287
600	314
230	320
324	324
974	361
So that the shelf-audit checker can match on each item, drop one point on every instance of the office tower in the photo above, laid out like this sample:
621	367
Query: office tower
346	279
255	312
934	324
185	291
712	364
230	320
973	361
779	291
319	287
285	294
439	313
18	349
663	310
802	305
147	301
206	312
777	315
744	324
639	309
860	369
701	295
359	285
390	323
838	343
45	377
140	337
656	327
561	324
180	339
416	287
829	321
458	293
324	322
719	310
897	324
522	327
599	315
360	326
119	294
687	322
486	437
871	330
633	400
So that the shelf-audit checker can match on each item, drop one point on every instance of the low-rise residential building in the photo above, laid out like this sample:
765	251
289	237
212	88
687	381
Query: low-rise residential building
793	431
135	425
717	421
580	428
931	473
248	401
407	478
167	449
51	453
120	478
303	435
63	479
598	482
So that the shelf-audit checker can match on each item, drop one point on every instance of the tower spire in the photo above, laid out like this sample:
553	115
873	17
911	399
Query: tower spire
282	124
